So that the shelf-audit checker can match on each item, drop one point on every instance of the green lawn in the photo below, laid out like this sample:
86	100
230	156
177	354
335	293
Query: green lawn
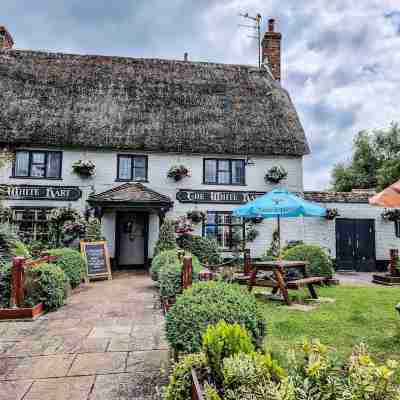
360	314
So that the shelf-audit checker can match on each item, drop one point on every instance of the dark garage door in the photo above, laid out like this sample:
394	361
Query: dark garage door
355	244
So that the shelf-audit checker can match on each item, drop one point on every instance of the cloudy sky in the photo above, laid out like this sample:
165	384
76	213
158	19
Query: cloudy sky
341	61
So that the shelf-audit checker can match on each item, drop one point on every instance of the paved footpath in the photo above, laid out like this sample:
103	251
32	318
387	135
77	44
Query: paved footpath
106	344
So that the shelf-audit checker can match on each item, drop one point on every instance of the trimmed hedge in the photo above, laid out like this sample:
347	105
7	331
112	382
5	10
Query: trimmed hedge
72	263
320	263
164	258
207	303
167	237
204	248
170	276
47	284
5	285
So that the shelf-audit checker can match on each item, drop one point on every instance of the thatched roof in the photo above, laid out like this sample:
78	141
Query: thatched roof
51	99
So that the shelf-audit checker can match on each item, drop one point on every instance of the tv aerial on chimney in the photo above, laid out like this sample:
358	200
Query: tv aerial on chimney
257	29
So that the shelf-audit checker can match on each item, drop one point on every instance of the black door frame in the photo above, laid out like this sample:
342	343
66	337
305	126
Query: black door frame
119	215
356	261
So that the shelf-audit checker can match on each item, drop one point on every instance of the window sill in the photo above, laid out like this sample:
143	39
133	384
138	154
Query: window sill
33	178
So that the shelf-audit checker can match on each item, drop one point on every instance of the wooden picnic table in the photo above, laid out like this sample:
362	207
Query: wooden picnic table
279	270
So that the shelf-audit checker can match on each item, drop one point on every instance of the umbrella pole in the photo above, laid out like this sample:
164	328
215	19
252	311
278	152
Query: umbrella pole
279	236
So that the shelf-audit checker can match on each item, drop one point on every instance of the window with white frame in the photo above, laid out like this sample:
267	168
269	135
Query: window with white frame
32	224
224	172
224	228
132	168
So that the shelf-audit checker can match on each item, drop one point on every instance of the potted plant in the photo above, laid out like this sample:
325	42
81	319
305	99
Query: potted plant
332	213
391	215
196	216
178	172
84	168
275	174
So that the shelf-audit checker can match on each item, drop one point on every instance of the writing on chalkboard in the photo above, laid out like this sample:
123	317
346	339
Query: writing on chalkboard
97	259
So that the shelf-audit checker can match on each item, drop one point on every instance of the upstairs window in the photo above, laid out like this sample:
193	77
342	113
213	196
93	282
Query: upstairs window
224	172
397	228
132	168
37	164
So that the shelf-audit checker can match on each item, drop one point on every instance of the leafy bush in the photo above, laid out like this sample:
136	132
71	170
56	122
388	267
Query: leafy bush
72	263
10	242
167	237
207	303
224	340
165	257
180	381
5	285
46	284
319	262
170	277
204	248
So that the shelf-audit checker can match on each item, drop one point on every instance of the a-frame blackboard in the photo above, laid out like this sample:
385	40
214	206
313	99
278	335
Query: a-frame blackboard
97	259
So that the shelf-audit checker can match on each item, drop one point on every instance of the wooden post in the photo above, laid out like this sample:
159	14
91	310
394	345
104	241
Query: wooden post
187	272
394	257
17	282
247	262
279	272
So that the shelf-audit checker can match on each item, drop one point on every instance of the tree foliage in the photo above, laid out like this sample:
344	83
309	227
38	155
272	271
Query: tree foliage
375	162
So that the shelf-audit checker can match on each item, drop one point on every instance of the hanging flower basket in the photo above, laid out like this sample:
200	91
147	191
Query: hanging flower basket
251	233
178	172
183	227
391	215
332	213
84	168
255	220
63	214
275	174
196	216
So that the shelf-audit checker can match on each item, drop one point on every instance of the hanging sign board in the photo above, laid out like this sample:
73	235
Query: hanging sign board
97	259
37	192
216	196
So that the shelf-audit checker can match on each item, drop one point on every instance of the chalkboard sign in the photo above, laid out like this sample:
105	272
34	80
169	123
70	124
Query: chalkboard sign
97	259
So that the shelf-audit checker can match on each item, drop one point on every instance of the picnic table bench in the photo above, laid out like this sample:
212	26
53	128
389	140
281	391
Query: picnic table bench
256	275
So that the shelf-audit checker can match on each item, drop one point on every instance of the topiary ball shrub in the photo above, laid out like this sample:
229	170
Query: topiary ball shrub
72	263
204	248
207	303
320	263
170	277
5	285
166	257
46	284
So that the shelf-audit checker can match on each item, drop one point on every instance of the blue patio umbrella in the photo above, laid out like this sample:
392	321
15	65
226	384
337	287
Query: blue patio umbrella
279	203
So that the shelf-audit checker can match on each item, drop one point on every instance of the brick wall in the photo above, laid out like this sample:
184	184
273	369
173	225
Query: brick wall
271	49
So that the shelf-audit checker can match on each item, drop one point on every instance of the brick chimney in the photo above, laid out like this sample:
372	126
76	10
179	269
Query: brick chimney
6	40
271	49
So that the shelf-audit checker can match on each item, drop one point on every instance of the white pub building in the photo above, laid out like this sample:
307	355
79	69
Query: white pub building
135	119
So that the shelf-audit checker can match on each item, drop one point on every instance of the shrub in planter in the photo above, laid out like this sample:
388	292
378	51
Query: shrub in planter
207	303
204	248
320	263
46	284
170	277
167	237
222	341
72	263
5	285
180	381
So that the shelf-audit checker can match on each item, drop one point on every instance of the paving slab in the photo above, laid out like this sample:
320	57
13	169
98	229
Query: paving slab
75	388
14	390
154	361
99	363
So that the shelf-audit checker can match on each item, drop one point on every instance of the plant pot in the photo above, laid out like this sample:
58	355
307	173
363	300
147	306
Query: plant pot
22	313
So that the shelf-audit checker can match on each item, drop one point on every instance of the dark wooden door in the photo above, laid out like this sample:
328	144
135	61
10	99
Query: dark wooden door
355	244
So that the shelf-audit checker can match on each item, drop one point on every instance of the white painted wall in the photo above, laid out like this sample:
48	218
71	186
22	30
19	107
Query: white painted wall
159	164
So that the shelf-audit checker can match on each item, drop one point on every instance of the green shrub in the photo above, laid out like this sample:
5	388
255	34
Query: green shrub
207	303
204	248
72	263
5	285
167	237
170	277
180	381
224	340
47	284
165	257
320	263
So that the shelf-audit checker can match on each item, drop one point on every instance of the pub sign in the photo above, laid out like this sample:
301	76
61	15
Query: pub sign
216	196
37	192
